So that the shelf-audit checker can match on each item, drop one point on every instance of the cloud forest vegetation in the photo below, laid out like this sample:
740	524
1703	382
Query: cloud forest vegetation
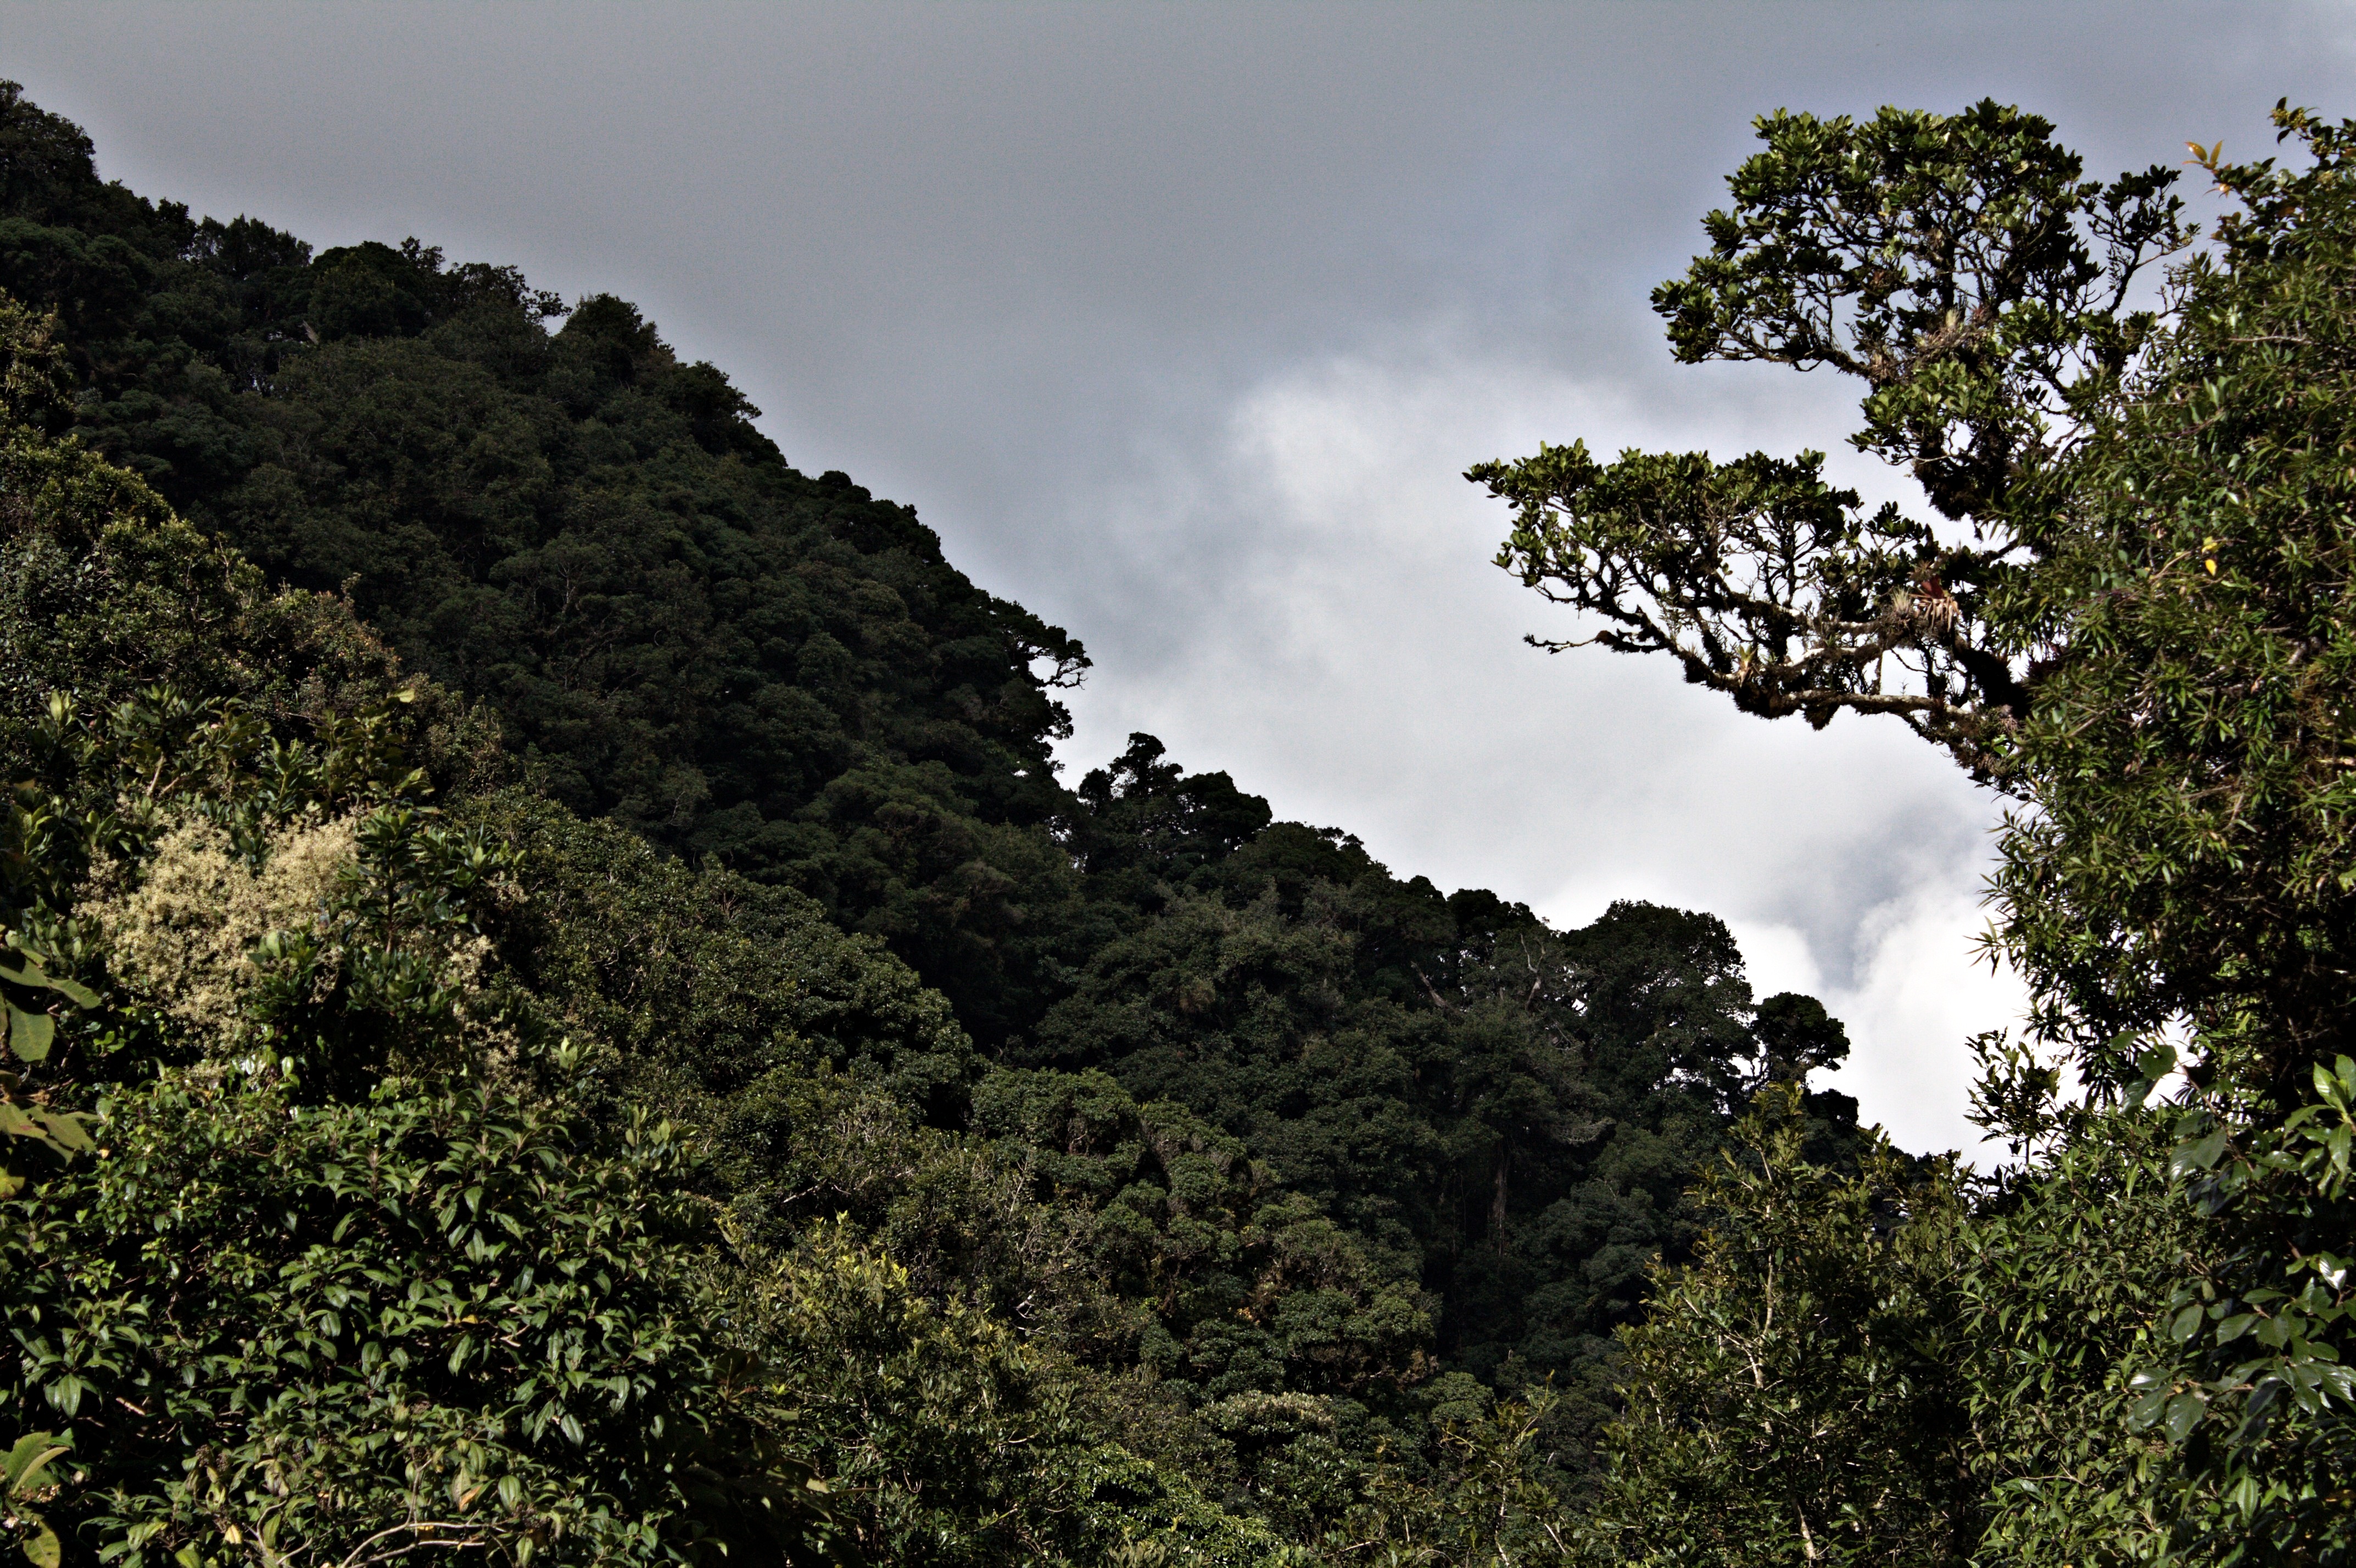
559	1009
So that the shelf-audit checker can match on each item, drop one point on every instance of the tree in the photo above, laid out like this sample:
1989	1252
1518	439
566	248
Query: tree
1899	1362
1961	269
2141	634
1795	1395
2189	763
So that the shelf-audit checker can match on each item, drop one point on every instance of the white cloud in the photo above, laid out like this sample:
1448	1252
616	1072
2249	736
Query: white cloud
1922	992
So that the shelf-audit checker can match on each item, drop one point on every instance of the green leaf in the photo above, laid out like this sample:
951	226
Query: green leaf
66	1393
66	1130
2327	1084
2187	1324
2201	1156
2184	1413
42	1549
29	1034
32	1453
73	991
19	968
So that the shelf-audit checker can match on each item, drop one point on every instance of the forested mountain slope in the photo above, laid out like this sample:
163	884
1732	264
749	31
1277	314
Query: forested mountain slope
347	1202
676	629
1233	1179
1025	1310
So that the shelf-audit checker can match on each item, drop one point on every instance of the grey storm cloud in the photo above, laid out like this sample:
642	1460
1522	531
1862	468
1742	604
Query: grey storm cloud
1179	323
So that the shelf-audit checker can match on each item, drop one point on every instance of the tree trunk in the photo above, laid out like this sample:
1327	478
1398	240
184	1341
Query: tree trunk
1497	1200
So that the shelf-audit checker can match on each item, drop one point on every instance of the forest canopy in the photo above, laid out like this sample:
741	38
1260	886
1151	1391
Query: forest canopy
560	1008
741	1099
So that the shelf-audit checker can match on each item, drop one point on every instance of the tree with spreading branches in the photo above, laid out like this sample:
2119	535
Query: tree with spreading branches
1981	289
2130	608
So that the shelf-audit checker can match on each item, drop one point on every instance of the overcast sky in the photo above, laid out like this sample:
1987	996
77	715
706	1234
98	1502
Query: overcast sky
1179	322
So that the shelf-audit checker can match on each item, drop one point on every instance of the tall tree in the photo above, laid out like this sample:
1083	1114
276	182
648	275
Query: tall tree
2131	612
1961	268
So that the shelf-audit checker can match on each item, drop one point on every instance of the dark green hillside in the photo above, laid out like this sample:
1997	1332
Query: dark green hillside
781	677
346	1194
1060	1156
748	666
381	1067
1508	1113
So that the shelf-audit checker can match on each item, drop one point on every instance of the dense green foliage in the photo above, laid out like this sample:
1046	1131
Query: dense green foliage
592	1028
557	1005
1769	1377
2192	756
258	1309
379	1084
2137	623
1511	1112
376	1239
673	628
1904	1365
